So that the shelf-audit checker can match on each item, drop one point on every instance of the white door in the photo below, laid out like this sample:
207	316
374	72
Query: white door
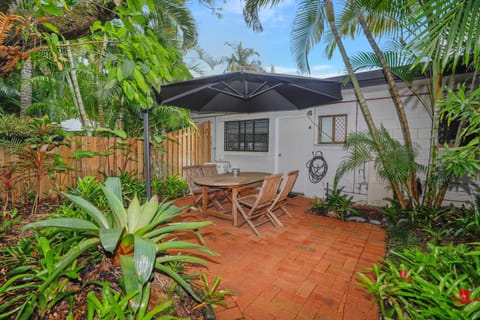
291	148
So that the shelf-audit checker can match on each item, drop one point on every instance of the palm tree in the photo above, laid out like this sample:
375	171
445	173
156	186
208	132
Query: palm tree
310	23
174	24
363	148
242	59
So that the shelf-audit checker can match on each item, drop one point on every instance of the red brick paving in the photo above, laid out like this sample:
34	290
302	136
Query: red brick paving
305	270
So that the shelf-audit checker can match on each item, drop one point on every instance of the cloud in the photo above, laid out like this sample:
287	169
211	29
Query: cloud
280	14
233	6
327	75
318	71
322	67
268	15
284	70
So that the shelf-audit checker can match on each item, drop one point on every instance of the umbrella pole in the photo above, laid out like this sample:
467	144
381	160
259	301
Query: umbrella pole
146	152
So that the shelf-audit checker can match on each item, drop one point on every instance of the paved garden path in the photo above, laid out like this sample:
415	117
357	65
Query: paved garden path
305	270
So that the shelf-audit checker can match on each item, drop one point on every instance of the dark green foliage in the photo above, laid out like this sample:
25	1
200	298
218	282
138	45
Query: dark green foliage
426	284
48	268
171	187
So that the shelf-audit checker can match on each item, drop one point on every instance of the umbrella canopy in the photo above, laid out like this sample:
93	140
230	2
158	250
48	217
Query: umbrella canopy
247	92
242	92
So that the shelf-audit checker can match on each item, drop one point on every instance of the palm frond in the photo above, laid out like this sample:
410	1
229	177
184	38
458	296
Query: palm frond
251	9
175	22
308	29
394	163
449	31
398	62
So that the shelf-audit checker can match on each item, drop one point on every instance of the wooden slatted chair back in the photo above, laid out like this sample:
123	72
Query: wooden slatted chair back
287	186
268	190
209	169
190	173
282	196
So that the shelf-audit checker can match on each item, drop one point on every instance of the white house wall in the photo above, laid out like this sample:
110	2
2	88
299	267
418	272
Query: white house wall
362	183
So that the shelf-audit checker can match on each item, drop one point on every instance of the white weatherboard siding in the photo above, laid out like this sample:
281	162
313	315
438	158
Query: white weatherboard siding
363	183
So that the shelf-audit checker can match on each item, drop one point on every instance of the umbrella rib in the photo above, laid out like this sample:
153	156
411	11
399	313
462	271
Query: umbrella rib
184	94
314	91
258	92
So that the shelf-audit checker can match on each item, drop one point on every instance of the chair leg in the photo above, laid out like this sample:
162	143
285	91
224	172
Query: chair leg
246	218
274	218
285	210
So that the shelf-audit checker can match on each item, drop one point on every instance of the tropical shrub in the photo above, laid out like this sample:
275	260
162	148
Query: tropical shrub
440	283
139	239
131	185
12	127
171	187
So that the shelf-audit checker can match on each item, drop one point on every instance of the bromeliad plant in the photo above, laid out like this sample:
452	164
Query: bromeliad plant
441	283
138	238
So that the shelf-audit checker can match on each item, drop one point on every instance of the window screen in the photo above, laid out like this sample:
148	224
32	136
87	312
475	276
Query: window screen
246	135
332	129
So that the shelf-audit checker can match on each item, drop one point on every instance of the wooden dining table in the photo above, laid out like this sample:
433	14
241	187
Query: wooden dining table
228	181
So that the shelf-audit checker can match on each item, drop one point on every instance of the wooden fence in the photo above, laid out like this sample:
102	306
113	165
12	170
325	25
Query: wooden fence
100	157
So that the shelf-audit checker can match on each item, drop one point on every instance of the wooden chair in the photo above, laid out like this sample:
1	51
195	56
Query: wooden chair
190	173
209	169
281	198
254	207
222	196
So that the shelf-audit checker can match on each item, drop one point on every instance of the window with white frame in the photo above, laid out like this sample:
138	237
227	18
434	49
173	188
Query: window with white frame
332	129
247	135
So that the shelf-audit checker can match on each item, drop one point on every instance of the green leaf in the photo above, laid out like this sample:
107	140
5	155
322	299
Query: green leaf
177	226
119	133
133	214
179	245
130	278
47	253
110	238
140	80
128	90
51	27
80	154
145	253
150	5
175	276
89	208
128	67
64	223
181	258
160	308
147	213
52	10
116	205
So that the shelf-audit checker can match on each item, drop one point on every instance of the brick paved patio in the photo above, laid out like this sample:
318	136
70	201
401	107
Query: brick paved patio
305	270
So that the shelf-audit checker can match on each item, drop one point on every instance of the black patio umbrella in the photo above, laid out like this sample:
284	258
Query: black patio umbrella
248	92
243	92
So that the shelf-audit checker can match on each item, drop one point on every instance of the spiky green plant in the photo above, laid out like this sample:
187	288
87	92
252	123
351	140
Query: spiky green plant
139	238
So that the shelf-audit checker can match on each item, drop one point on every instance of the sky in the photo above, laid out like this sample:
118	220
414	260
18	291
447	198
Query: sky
273	44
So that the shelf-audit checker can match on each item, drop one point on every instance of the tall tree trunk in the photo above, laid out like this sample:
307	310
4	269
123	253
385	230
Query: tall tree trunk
397	101
431	181
100	66
26	75
361	99
121	114
76	89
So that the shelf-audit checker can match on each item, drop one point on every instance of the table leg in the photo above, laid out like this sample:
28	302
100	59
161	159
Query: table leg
204	200
234	206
